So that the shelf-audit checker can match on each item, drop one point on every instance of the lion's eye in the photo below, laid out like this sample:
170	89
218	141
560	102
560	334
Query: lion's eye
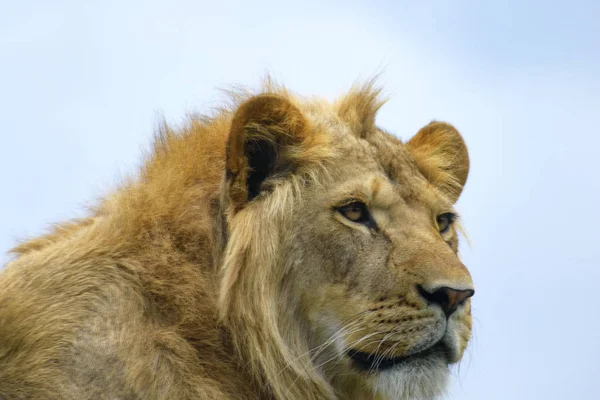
356	212
444	221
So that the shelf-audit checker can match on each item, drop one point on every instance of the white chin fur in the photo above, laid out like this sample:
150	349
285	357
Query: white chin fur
425	380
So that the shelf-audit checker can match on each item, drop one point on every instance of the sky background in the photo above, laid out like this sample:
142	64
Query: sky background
82	85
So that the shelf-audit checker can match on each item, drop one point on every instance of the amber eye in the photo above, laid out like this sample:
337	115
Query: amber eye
444	221
357	212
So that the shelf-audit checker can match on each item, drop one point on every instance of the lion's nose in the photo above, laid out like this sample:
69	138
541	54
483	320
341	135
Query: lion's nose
447	298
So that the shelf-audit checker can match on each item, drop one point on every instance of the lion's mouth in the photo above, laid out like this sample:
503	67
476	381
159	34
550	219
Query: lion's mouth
375	362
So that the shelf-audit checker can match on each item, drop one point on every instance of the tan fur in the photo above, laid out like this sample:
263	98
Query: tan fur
225	271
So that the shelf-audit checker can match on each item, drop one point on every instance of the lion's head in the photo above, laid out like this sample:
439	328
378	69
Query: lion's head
338	249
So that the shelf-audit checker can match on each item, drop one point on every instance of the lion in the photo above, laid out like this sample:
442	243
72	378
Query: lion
283	247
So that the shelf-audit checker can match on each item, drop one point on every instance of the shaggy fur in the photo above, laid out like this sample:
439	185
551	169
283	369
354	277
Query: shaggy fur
226	270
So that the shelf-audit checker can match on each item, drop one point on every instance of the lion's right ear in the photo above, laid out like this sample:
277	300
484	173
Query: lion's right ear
266	137
442	157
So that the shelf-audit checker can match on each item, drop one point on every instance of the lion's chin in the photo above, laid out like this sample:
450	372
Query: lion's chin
374	362
424	379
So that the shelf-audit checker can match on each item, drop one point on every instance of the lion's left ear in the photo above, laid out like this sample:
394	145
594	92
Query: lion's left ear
442	157
268	137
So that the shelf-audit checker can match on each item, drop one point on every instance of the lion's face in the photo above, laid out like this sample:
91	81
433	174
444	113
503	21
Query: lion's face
374	248
367	268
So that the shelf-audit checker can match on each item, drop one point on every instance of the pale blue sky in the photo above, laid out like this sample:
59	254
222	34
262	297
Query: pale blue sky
82	84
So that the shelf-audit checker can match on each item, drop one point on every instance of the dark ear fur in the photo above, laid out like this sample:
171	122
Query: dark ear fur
263	131
442	157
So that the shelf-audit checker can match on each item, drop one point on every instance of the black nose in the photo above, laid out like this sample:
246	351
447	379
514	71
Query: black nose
447	298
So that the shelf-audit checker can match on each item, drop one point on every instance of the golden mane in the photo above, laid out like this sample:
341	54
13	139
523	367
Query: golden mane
197	258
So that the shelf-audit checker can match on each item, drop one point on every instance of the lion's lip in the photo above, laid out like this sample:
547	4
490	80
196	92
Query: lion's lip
374	362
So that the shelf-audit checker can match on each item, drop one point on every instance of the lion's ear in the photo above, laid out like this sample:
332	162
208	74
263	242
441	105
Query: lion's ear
442	157
267	132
